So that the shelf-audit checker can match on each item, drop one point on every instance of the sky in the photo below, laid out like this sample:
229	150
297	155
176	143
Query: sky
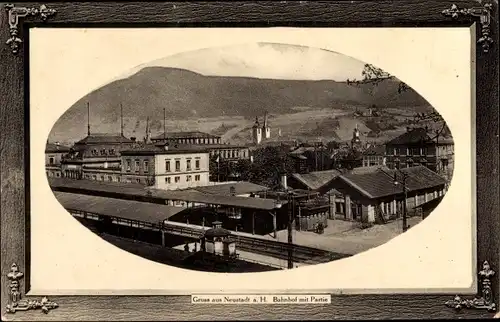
264	60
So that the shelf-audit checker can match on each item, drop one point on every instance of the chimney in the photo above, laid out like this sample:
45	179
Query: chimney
166	147
283	181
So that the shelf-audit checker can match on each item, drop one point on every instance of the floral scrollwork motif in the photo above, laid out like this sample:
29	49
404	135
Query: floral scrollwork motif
484	302
484	14
16	303
14	13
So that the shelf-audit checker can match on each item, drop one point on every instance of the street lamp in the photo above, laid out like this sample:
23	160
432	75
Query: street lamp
403	182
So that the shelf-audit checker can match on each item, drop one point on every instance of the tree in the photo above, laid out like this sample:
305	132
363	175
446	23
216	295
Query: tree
374	75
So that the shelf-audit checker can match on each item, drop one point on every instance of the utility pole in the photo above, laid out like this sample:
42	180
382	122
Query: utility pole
403	183
290	223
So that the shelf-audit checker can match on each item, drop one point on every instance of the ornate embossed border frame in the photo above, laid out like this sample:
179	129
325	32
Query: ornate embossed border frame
14	156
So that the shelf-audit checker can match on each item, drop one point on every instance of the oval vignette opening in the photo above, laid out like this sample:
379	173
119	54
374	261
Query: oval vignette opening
250	158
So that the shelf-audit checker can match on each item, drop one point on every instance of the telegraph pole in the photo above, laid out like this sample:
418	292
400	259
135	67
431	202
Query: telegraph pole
403	183
290	223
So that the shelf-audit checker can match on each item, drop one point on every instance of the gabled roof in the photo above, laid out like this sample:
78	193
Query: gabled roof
184	135
56	148
377	184
316	180
417	135
375	150
99	138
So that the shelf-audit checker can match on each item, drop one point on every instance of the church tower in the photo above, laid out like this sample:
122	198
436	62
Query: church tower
266	130
356	140
256	132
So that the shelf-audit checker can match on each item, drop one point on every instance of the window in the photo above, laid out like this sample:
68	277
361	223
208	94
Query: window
137	165
94	177
51	160
188	164
197	164
129	164
102	178
103	152
138	180
407	151
177	179
167	165
111	151
94	152
110	178
197	177
118	179
146	166
58	174
167	180
395	151
188	178
177	165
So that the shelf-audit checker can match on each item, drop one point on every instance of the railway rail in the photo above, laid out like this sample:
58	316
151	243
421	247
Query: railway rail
272	248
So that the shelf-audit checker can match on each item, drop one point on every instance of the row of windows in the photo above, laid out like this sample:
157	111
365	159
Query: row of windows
102	178
103	152
178	165
177	179
228	153
137	163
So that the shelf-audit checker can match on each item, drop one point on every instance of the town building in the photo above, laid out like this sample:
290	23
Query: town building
374	155
372	195
417	147
213	143
166	167
96	157
54	153
190	137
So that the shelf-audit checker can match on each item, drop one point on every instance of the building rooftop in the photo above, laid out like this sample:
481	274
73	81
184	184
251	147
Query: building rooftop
380	183
56	148
184	135
133	190
420	135
100	138
317	179
378	150
241	187
133	210
149	149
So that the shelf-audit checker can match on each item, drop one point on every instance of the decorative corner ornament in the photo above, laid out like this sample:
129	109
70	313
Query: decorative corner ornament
18	304
484	14
14	13
484	302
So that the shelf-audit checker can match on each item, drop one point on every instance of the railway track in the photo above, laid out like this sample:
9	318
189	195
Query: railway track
272	248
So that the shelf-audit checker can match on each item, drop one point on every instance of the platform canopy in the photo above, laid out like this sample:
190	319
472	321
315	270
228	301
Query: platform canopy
126	209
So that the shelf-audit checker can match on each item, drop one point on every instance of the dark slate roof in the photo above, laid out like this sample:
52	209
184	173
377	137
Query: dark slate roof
122	190
317	179
55	148
185	135
99	138
133	210
241	187
217	232
149	149
377	184
375	150
417	135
